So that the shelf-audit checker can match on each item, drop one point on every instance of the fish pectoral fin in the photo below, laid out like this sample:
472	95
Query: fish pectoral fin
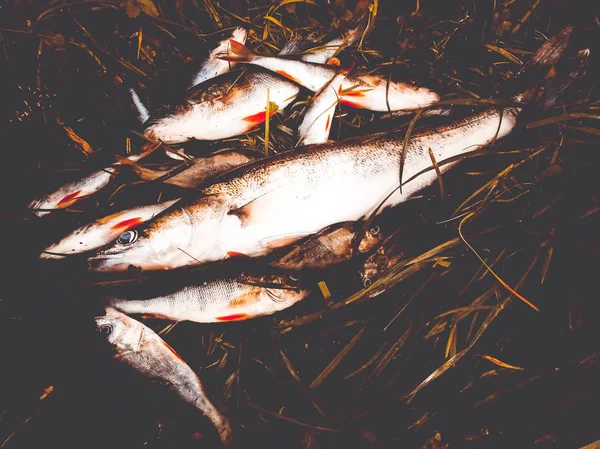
280	241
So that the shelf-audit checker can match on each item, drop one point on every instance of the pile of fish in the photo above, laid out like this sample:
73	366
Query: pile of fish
307	208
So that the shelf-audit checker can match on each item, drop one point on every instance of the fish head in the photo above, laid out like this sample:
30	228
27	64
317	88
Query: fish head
371	239
374	267
124	333
408	96
165	242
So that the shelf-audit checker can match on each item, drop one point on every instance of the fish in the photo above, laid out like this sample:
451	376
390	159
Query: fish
219	300
103	231
391	251
332	245
212	66
316	122
75	191
267	204
228	105
200	169
359	91
142	349
307	51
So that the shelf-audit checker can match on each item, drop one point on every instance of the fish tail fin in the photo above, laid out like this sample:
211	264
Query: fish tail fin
143	113
575	69
238	35
539	68
238	53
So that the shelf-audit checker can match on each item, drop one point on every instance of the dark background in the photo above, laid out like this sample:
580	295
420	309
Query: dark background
263	368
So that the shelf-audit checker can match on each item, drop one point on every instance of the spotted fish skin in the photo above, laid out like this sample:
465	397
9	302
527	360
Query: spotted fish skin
229	105
141	348
217	301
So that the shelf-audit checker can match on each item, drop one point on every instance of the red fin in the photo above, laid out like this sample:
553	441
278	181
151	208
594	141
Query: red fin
287	75
354	93
236	254
126	225
328	123
257	119
238	52
334	61
235	317
174	353
69	199
352	104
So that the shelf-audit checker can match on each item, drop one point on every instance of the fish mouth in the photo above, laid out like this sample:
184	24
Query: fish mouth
105	263
49	255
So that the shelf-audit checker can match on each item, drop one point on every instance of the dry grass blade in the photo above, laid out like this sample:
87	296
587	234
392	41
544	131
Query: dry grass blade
501	363
288	419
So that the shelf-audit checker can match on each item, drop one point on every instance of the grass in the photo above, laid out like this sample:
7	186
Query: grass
444	349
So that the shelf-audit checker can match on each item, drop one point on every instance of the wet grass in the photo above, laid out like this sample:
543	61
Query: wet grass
483	334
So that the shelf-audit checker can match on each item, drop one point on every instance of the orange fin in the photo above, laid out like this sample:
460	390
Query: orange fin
126	225
334	61
236	254
238	52
69	199
235	317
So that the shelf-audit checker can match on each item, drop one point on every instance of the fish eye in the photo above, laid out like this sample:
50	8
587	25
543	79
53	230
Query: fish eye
375	230
127	238
105	329
367	281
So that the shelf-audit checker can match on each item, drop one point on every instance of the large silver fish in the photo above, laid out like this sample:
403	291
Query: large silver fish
252	209
359	91
141	348
220	300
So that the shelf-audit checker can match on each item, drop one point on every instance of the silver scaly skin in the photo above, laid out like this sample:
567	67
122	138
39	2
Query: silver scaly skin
220	300
141	348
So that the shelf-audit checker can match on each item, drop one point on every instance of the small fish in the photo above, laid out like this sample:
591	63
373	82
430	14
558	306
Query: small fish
316	123
328	247
201	168
264	205
392	250
102	231
229	105
141	348
220	300
213	66
306	51
359	91
72	192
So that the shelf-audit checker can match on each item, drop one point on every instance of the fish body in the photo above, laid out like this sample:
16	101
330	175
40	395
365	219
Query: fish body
141	348
213	66
72	192
201	168
332	245
229	105
291	195
218	301
316	122
103	230
359	91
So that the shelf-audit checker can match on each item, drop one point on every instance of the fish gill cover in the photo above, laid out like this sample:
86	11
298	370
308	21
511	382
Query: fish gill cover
471	324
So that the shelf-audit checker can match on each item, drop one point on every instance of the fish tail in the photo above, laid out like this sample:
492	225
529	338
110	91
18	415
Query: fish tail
239	35
238	53
575	70
143	112
539	68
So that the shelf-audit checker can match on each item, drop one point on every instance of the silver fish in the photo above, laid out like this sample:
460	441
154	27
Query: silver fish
141	348
316	122
220	300
229	105
213	66
103	230
291	195
359	91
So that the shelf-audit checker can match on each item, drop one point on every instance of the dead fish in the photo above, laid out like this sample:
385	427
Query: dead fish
229	105
220	300
277	200
75	191
201	169
213	66
394	249
141	348
103	231
306	50
328	247
316	122
359	91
